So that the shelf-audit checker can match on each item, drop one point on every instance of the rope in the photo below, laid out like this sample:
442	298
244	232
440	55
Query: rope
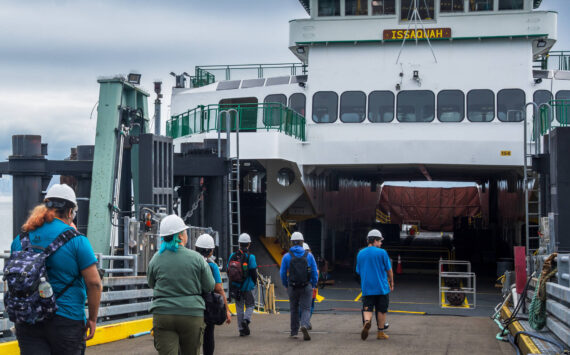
537	308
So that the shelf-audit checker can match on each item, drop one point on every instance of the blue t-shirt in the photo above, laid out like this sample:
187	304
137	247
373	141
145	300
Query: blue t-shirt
63	266
248	284
215	272
372	264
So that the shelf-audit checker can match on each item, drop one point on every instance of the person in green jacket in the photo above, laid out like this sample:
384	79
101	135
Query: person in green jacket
178	277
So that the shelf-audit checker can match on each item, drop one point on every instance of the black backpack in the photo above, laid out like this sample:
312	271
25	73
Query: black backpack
215	312
299	270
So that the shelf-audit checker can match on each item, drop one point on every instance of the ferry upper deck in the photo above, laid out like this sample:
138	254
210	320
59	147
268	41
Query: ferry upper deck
373	91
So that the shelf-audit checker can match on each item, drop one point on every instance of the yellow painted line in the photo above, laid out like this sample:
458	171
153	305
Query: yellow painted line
525	343
444	304
232	308
273	249
406	312
358	297
103	334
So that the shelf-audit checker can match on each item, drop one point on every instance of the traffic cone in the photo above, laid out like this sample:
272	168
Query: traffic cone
399	267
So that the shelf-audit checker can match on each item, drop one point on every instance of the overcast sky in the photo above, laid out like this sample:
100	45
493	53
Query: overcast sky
52	51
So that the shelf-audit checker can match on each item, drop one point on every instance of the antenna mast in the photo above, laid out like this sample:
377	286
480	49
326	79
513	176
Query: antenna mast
415	18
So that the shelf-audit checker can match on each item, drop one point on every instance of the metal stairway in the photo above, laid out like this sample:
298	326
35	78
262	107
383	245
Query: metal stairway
234	222
531	184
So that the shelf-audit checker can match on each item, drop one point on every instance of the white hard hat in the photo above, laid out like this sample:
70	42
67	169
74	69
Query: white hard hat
375	233
297	236
306	246
244	238
62	191
171	225
205	241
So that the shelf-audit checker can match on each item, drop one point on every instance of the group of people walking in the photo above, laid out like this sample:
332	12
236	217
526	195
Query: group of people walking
52	272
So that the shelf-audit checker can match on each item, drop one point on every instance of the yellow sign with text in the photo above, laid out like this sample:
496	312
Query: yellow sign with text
419	34
505	153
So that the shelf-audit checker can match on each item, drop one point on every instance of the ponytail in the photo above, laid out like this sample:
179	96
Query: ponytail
39	215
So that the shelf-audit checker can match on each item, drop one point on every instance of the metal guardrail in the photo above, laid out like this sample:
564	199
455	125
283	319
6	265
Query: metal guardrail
202	119
259	69
555	60
469	288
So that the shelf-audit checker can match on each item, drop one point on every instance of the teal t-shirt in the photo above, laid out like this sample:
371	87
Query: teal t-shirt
248	284
63	266
372	264
215	272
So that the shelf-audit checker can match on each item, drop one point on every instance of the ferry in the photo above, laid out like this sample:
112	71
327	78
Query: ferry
382	92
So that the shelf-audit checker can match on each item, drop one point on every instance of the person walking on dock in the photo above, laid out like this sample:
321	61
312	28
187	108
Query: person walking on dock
376	281
242	274
205	246
48	305
178	277
299	275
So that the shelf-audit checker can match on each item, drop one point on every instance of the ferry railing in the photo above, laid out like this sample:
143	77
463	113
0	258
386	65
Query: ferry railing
126	259
201	78
203	119
556	60
259	69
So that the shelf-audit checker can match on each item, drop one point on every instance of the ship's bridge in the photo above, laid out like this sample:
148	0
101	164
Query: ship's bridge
380	21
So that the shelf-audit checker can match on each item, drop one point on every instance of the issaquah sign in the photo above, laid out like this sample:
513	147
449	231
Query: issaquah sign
419	33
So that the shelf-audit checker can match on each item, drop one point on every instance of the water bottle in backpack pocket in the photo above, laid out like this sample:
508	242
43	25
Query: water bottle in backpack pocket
237	267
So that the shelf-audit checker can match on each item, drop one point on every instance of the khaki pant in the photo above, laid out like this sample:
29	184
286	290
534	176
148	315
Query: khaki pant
175	332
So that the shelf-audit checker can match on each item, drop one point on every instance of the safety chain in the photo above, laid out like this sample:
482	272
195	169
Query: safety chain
195	205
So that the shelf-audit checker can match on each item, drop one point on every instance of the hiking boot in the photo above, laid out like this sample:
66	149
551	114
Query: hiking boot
305	332
242	333
382	335
365	329
245	327
310	327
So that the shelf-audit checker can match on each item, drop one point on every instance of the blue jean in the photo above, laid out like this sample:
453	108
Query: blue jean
300	301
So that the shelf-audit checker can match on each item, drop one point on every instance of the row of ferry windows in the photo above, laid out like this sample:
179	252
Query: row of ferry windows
425	7
415	106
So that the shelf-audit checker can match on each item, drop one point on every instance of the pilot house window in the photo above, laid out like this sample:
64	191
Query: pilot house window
415	106
425	8
510	105
383	7
481	5
451	6
329	7
272	110
511	4
561	107
325	106
356	7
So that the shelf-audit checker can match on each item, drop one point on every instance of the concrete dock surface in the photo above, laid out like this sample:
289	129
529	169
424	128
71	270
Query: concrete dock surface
340	334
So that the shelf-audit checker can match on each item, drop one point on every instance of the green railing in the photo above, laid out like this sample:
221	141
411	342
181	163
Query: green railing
202	78
557	60
561	109
202	119
256	69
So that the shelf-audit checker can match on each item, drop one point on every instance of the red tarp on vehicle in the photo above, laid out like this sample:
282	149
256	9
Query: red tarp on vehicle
434	208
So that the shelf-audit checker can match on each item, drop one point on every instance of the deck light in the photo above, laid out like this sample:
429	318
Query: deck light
541	43
134	78
301	50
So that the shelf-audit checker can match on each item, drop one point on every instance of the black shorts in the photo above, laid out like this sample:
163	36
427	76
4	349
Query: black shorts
378	302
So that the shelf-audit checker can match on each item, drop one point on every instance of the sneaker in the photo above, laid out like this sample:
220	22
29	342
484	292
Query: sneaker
365	329
382	335
293	335
242	333
245	327
305	332
310	327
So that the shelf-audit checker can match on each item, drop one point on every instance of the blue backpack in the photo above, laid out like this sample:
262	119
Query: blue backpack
22	272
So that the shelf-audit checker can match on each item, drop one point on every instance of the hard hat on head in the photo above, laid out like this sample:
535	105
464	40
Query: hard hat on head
244	238
205	241
171	225
62	192
375	233
297	236
306	246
